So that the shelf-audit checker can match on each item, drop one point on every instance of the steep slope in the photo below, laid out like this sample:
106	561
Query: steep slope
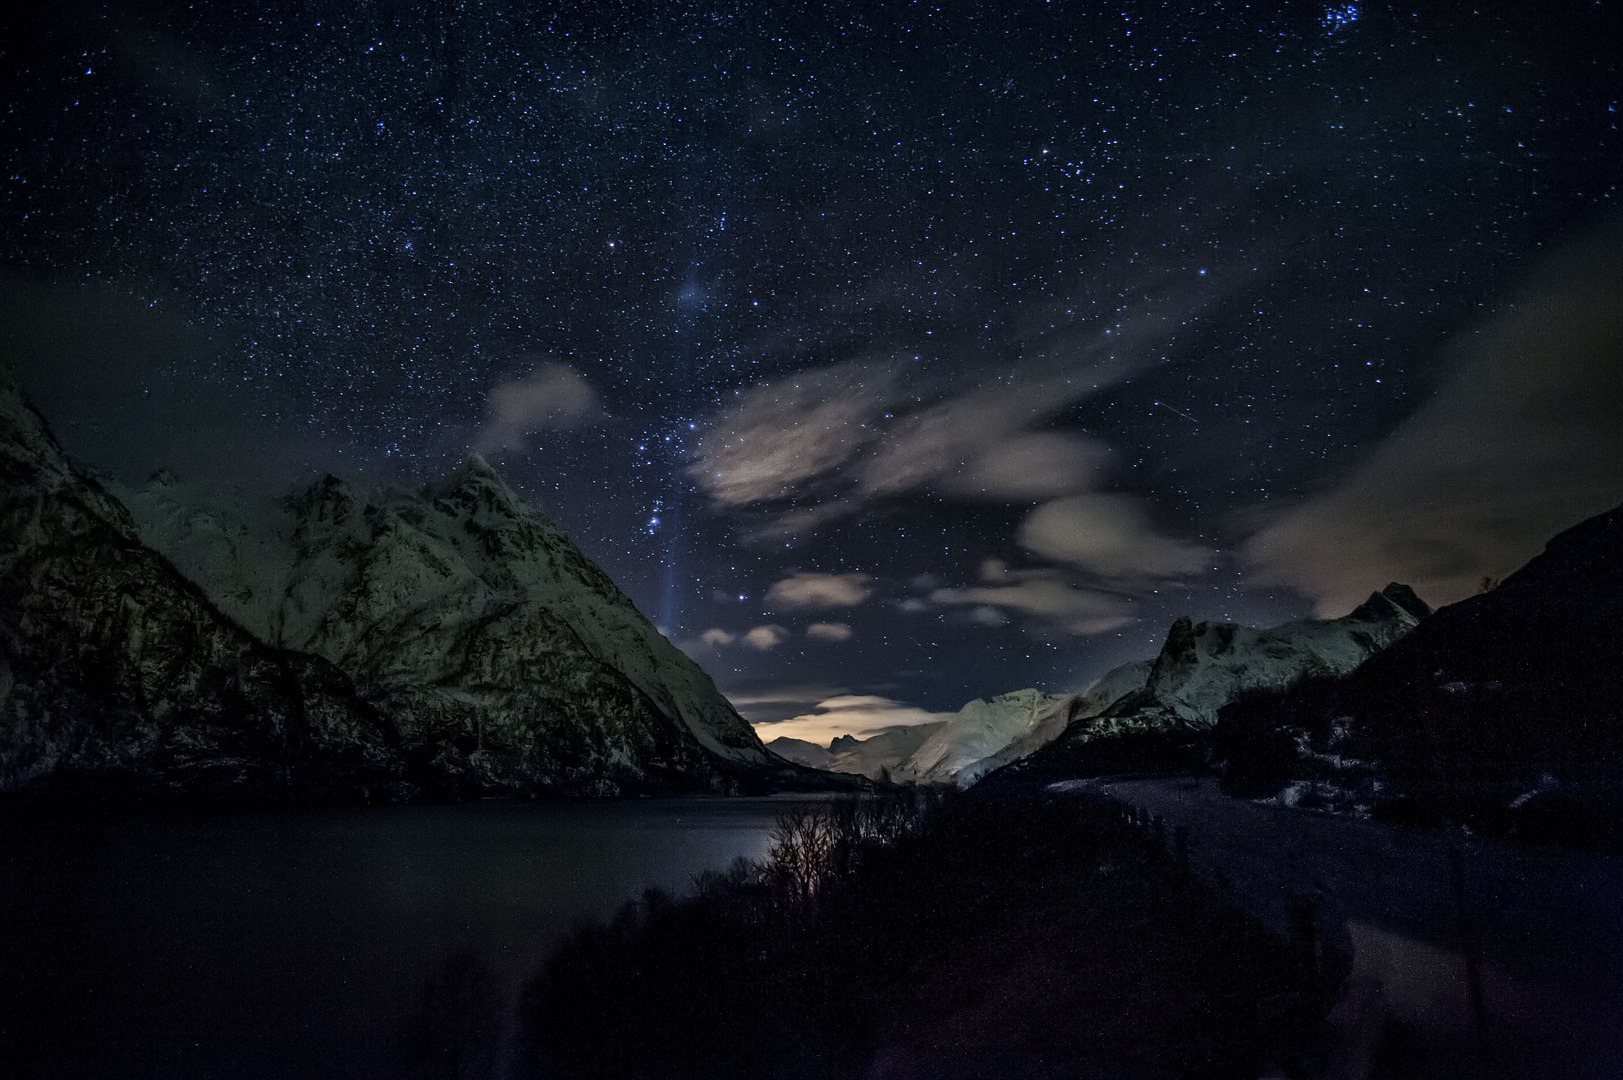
119	679
1049	723
981	729
498	649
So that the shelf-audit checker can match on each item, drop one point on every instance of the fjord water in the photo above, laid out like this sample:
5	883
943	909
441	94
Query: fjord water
315	944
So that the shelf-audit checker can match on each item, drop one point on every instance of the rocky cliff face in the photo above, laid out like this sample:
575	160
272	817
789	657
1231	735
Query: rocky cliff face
118	677
505	658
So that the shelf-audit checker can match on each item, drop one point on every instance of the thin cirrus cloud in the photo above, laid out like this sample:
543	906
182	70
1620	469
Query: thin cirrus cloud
814	590
1045	594
1523	440
549	398
829	631
819	445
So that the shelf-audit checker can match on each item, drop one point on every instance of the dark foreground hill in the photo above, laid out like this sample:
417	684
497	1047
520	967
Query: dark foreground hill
1504	710
1016	936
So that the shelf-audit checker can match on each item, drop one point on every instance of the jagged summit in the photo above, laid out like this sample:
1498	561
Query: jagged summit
471	618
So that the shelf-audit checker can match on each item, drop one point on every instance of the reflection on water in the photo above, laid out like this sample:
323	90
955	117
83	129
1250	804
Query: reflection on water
342	943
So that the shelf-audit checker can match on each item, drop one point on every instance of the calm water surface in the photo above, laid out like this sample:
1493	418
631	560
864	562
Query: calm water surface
303	944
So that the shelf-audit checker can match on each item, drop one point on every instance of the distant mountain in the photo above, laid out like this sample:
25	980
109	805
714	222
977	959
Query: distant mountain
1204	666
119	679
880	756
877	757
1506	701
502	654
801	752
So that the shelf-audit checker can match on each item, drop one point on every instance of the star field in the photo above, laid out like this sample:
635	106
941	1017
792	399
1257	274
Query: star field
1197	260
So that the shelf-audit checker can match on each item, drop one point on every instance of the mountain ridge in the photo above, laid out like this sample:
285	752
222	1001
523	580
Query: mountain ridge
381	646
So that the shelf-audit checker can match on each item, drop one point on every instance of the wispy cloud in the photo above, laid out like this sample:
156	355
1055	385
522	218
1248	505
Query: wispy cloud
813	447
1045	594
829	631
1525	439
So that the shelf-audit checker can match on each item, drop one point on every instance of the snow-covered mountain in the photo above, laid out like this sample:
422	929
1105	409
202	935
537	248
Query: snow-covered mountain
801	752
880	756
119	679
974	745
500	652
982	729
1204	666
1201	668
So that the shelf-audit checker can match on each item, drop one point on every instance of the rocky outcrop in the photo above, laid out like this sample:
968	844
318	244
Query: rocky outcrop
119	679
502	654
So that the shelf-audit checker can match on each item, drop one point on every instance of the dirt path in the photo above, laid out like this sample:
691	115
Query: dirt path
1470	958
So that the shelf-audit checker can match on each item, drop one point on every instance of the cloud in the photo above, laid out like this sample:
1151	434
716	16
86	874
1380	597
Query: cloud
881	426
765	702
1044	594
829	631
717	636
552	396
986	615
766	637
848	714
1107	535
792	524
1037	466
820	590
784	434
820	445
1524	439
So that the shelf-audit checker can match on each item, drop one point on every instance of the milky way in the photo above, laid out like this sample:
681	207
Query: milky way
983	339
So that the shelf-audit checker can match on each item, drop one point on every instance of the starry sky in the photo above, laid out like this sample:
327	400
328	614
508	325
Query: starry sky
887	355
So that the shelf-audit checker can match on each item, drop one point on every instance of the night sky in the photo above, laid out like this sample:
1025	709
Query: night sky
904	352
